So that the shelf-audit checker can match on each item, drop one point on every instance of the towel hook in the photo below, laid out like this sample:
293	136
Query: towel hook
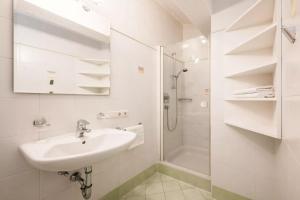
290	33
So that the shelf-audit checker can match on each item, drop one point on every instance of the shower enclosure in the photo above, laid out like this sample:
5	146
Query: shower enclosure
185	105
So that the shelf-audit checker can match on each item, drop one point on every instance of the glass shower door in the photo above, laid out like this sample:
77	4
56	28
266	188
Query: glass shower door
186	112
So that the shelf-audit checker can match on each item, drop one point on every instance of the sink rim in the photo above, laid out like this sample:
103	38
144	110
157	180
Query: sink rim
38	157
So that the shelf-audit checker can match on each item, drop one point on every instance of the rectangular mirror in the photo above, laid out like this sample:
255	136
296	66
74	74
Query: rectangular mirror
60	51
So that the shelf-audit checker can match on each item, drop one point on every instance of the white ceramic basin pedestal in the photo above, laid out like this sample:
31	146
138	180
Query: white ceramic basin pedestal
69	153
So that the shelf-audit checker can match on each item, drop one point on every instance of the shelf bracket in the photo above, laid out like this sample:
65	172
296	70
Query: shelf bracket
290	33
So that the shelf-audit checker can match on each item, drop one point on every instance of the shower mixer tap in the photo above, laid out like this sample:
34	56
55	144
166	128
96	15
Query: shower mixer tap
166	98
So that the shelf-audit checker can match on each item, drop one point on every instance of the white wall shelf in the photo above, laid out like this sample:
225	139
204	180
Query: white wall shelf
97	74
260	13
264	130
263	39
96	61
265	68
93	86
87	81
252	99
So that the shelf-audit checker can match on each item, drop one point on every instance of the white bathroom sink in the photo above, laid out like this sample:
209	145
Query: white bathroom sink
68	152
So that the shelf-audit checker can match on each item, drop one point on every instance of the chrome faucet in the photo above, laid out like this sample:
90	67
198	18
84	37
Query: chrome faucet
81	128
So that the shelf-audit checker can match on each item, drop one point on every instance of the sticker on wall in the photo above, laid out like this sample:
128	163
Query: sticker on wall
141	69
206	92
293	8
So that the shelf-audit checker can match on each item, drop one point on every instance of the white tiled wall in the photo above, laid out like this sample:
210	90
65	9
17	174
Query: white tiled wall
130	90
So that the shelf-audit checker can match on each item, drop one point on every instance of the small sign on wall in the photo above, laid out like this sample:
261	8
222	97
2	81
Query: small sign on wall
141	70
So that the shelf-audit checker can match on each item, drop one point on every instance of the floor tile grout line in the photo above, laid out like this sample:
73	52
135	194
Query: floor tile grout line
163	186
160	180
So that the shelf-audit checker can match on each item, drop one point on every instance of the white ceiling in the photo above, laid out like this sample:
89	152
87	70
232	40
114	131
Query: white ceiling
196	12
218	5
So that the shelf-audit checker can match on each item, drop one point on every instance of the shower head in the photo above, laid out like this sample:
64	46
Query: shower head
183	70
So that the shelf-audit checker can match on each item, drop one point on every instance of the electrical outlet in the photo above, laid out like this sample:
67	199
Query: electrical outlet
113	114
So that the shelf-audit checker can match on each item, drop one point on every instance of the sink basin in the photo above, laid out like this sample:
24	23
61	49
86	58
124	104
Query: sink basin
68	152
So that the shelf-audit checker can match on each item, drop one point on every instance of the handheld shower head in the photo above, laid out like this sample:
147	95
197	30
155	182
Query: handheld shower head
183	70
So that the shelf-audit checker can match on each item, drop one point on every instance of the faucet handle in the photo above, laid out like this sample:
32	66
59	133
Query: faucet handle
40	122
81	128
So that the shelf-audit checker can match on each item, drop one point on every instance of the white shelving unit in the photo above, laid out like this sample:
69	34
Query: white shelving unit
96	80
259	13
264	130
266	68
263	39
252	60
93	86
96	61
251	99
97	74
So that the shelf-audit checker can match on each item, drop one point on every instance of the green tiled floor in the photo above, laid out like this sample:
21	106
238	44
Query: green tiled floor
162	187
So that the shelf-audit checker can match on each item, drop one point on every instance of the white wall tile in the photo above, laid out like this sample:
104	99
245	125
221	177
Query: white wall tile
8	118
6	7
11	159
51	183
23	186
6	47
60	114
105	182
6	78
26	111
19	115
72	192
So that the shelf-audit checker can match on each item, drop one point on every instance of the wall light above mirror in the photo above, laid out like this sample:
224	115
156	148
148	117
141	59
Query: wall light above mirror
60	51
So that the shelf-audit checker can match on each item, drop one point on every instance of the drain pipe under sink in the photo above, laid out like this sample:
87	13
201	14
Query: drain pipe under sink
85	183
